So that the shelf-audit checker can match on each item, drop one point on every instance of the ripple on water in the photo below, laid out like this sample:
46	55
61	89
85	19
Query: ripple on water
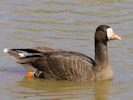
68	25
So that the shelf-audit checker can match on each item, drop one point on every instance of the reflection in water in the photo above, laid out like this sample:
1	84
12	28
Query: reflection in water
47	89
102	89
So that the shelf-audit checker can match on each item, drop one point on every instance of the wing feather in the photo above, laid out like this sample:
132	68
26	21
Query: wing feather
70	67
58	64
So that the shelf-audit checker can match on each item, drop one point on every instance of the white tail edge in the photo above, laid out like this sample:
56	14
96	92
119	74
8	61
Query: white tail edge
6	50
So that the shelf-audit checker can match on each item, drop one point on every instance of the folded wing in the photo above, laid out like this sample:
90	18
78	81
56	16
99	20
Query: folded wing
58	64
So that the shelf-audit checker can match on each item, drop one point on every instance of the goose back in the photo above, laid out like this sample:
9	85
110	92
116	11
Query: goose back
65	65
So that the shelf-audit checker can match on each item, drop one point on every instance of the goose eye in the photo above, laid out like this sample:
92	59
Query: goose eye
102	30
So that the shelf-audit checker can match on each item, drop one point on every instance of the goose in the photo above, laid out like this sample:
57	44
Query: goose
69	65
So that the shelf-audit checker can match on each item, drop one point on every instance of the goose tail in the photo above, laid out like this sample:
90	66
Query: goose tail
23	56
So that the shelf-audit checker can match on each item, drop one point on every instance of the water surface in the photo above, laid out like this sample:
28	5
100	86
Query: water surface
68	25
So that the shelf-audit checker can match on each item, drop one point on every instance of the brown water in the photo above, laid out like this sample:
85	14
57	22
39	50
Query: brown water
68	25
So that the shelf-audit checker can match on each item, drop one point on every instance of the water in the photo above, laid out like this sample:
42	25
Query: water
68	25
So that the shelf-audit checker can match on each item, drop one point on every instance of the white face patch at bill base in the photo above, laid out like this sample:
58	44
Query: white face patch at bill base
109	33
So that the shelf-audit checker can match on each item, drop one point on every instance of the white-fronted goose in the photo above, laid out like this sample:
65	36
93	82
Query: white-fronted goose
67	65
